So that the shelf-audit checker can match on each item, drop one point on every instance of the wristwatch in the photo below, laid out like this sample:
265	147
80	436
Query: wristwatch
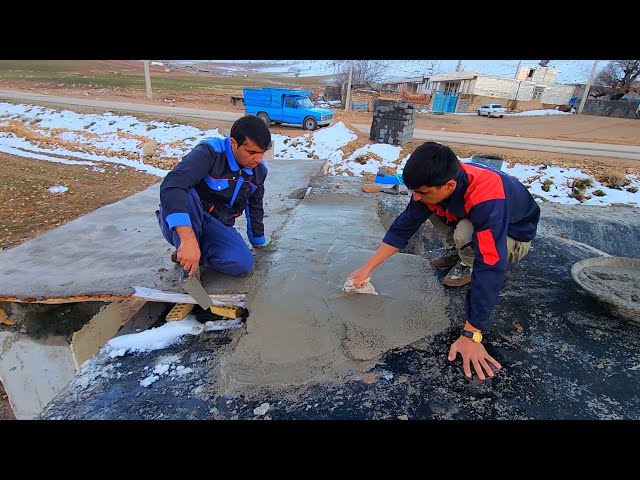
475	336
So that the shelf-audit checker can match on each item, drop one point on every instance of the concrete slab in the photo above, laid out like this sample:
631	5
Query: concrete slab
118	246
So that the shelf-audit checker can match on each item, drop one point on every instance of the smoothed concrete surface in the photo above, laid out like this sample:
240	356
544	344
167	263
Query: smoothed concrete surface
304	327
614	229
120	246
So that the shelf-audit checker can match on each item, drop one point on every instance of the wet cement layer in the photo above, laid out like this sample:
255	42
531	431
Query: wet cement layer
120	246
303	327
614	281
621	281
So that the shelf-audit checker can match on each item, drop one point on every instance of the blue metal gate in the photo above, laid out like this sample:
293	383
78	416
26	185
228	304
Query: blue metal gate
445	102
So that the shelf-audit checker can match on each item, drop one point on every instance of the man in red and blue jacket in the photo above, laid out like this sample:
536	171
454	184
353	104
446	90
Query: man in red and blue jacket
211	186
488	220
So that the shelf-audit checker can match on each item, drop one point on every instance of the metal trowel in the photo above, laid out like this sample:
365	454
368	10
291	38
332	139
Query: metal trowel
192	285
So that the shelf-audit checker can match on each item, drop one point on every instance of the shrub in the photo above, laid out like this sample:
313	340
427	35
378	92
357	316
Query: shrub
613	179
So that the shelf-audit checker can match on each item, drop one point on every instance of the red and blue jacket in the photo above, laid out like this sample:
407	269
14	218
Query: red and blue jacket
225	189
498	206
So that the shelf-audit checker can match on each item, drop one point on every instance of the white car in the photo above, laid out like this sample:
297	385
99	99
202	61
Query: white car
492	110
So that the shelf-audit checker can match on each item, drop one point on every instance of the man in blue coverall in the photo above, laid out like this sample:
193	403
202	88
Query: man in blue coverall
211	186
487	219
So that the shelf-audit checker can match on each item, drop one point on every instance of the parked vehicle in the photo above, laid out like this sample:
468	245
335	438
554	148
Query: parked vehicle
281	105
492	110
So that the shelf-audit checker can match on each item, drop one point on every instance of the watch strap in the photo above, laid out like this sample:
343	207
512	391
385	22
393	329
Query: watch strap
475	336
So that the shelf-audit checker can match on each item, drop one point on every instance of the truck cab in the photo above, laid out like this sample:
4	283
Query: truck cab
280	105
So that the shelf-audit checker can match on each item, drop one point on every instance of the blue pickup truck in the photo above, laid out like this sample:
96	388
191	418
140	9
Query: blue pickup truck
281	105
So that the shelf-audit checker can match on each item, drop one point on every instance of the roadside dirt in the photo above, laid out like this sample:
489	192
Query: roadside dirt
29	209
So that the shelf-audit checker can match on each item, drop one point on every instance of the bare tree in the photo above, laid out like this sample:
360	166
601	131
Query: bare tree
375	71
616	79
364	71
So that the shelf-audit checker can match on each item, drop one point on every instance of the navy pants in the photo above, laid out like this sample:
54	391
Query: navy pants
222	248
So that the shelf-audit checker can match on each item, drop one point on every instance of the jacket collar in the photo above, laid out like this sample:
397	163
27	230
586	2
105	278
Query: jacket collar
233	164
455	202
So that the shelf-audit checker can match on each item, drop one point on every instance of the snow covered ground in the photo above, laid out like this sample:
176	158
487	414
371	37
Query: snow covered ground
69	137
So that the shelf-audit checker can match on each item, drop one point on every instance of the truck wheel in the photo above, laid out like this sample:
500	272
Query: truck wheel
310	123
264	117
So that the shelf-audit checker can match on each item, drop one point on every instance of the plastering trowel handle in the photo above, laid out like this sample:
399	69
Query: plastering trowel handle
184	274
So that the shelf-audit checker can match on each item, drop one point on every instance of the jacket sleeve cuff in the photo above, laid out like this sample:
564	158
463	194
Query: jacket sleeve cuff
394	240
178	220
255	241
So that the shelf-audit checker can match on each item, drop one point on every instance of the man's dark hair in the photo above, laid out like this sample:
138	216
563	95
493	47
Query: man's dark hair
430	165
254	129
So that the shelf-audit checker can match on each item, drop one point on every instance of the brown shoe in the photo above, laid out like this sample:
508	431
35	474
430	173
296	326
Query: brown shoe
458	276
445	258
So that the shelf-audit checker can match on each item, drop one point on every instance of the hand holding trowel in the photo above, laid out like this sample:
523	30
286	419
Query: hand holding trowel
191	284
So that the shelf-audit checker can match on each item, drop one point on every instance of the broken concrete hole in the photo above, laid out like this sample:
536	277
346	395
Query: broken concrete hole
48	343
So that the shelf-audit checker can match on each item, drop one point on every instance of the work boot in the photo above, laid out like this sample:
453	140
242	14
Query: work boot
446	258
458	276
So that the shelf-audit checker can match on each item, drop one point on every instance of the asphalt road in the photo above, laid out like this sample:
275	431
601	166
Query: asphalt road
518	143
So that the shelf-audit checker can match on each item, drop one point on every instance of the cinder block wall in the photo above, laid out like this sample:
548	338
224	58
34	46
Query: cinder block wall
393	122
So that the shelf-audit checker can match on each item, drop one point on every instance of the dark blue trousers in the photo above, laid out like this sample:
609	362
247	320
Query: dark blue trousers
222	248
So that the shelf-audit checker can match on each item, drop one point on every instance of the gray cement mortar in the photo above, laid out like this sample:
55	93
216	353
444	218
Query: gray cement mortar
303	327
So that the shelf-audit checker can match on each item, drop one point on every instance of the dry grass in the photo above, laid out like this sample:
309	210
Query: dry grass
613	179
29	209
578	186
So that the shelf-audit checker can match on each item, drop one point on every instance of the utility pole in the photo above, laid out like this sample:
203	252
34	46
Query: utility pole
518	70
518	90
347	103
586	89
147	79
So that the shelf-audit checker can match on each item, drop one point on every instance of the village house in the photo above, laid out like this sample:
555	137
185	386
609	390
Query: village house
533	87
